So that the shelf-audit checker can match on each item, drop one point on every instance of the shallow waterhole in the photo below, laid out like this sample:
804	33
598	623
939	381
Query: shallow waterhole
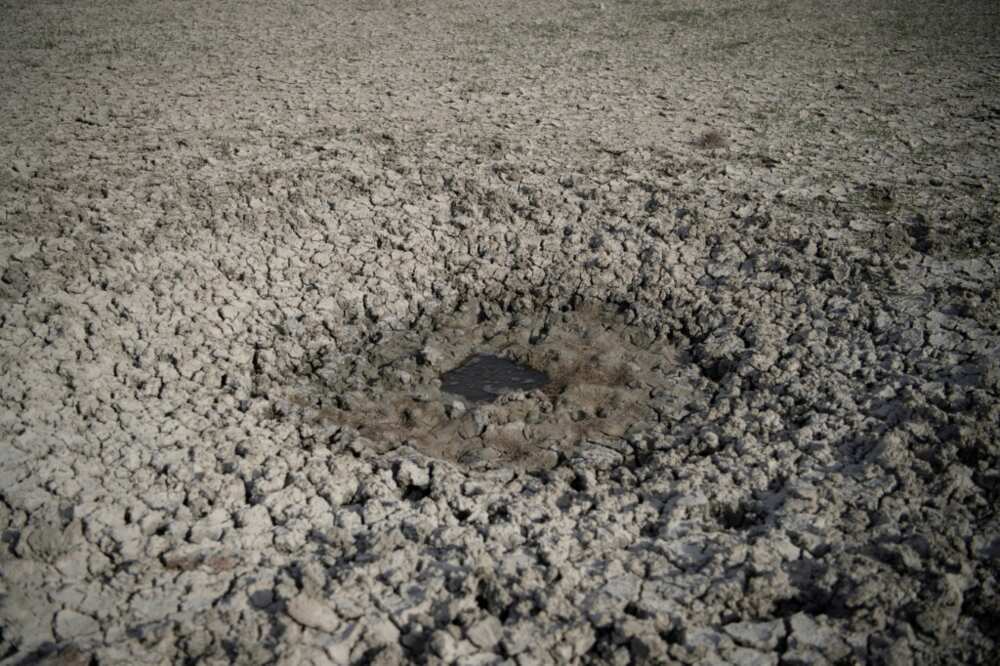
485	377
517	390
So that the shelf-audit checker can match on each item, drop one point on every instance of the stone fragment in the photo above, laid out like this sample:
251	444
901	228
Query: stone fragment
71	625
809	639
759	635
410	474
443	645
519	638
750	657
313	613
381	631
485	633
430	356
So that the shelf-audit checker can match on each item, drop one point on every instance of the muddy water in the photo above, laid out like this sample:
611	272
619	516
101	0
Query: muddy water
484	377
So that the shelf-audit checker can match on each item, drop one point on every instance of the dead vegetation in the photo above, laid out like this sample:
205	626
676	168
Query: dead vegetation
711	140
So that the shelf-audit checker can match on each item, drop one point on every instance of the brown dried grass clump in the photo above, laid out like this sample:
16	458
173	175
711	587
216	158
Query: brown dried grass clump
710	140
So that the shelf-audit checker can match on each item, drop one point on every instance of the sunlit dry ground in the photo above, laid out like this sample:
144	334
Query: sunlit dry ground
757	243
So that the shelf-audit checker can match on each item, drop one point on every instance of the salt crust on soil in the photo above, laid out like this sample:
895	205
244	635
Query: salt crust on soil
217	217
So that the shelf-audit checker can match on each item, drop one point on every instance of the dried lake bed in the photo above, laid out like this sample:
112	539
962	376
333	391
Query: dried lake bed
751	250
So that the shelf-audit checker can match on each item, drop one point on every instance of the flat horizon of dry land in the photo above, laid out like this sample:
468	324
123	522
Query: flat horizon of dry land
754	246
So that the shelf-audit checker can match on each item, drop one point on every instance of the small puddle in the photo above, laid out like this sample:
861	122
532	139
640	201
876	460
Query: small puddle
484	377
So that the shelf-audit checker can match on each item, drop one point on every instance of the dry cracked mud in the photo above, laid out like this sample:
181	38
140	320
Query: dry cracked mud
755	246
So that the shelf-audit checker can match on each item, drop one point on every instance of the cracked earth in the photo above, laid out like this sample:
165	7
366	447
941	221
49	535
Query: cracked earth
755	245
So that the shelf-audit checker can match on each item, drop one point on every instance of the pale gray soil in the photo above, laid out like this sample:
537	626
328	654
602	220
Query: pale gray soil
756	244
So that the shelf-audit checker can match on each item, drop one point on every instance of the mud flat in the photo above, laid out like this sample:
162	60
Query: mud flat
752	247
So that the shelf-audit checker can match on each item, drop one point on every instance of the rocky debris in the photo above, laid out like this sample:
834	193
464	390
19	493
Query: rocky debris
314	614
761	279
763	636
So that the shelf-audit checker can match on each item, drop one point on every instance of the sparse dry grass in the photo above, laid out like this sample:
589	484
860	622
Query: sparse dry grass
711	140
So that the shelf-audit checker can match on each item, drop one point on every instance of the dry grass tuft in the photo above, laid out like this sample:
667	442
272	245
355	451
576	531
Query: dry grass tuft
711	140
